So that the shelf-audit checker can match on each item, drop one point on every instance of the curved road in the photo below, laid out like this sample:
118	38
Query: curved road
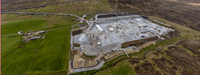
135	58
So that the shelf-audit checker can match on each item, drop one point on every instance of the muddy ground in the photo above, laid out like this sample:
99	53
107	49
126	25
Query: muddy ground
76	45
138	43
76	32
183	12
182	59
73	53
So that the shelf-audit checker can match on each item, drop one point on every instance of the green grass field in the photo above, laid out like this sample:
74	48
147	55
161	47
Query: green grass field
7	42
23	25
51	20
44	56
40	56
54	52
77	8
13	27
122	68
20	59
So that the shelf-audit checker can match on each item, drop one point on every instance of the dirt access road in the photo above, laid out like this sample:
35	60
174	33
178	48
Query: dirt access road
183	12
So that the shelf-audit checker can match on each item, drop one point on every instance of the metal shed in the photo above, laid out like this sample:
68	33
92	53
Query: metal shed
35	37
41	32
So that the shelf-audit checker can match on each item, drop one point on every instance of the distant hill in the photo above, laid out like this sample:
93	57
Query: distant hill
183	12
16	4
11	4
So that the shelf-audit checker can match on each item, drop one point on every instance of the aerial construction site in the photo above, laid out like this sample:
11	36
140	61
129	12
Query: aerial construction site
110	35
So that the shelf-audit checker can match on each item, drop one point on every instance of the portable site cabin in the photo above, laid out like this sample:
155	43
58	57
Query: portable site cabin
20	32
100	29
41	32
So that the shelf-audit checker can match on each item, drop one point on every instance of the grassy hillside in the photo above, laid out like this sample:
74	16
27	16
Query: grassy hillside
10	4
23	25
19	60
41	56
54	52
78	8
123	68
51	20
7	42
183	12
51	53
13	27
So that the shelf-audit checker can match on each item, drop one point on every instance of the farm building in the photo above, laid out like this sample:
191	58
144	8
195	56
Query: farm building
35	37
